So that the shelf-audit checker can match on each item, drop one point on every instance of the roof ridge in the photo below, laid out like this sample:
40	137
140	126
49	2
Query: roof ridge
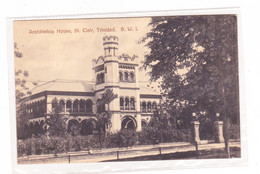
42	84
72	80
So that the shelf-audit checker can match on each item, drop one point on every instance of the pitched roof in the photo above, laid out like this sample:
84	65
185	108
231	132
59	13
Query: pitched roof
78	86
64	85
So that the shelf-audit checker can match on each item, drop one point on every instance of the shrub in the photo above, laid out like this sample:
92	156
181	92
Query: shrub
55	145
124	138
152	136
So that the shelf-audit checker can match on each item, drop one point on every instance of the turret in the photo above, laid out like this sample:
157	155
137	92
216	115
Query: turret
110	44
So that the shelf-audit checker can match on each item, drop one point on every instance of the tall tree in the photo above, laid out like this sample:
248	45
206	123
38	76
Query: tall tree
21	90
197	59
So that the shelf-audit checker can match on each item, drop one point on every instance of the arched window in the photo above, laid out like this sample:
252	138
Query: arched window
98	79
76	106
82	105
126	76
143	106
132	104
126	103
132	76
89	105
62	105
102	78
121	103
149	107
68	106
154	106
121	77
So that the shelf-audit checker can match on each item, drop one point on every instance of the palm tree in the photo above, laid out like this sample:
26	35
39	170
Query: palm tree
104	119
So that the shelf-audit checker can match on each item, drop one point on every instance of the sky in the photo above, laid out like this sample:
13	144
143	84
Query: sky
49	56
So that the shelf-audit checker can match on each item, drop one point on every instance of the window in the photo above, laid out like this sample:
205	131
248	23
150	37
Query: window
68	106
149	107
89	105
143	106
126	103
82	106
98	79
121	103
132	104
126	76
154	106
76	106
132	77
121	77
102	78
62	104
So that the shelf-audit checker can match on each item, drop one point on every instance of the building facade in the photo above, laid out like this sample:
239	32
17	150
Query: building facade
132	109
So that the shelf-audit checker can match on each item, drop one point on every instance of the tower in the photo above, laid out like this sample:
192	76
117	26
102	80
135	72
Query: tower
120	74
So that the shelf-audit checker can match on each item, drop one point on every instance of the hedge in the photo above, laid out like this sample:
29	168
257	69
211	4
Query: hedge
124	138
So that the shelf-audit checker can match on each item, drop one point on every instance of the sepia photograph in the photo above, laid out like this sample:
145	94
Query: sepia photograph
127	89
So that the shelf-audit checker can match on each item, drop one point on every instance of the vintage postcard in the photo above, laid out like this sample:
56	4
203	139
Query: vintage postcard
162	87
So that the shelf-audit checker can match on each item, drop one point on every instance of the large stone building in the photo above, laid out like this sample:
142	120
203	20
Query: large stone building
132	109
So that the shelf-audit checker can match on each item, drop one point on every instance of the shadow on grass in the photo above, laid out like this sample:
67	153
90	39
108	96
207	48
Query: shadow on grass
203	154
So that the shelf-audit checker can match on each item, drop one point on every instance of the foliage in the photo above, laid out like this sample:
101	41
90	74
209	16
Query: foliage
20	78
104	118
75	130
55	145
151	136
21	90
196	58
56	121
234	131
124	138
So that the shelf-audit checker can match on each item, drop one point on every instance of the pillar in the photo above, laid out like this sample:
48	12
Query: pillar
195	131
219	131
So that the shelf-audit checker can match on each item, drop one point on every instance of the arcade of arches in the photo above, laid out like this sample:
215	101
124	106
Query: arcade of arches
84	127
148	106
127	103
76	107
84	108
36	109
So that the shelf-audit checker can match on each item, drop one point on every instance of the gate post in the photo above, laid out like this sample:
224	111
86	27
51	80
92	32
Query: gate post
195	132
219	131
